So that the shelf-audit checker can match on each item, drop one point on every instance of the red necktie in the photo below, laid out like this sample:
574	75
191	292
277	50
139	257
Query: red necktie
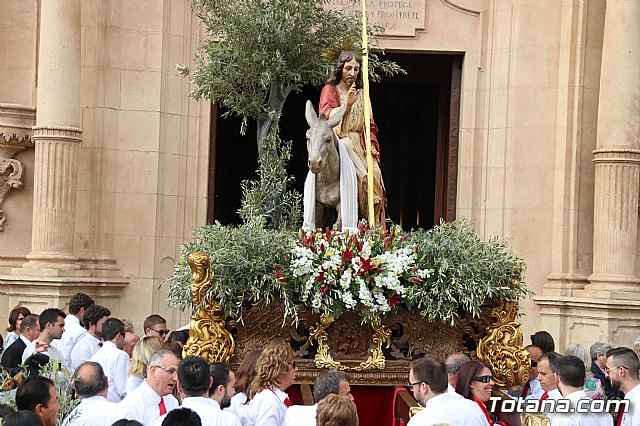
525	390
620	418
163	409
288	402
544	396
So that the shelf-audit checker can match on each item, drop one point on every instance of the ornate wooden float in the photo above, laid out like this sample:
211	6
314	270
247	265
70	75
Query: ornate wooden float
375	355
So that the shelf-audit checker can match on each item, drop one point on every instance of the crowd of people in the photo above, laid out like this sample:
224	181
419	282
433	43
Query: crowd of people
119	378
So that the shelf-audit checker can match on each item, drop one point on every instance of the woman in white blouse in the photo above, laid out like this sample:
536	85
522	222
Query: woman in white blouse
275	371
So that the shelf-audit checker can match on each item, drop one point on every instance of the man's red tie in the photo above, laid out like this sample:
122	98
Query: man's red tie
544	396
163	409
525	390
288	402
620	418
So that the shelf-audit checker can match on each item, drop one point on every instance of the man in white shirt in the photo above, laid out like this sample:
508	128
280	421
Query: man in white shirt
155	325
51	328
194	383
622	370
114	361
91	386
571	377
453	364
428	381
328	382
153	397
547	368
73	328
94	318
222	389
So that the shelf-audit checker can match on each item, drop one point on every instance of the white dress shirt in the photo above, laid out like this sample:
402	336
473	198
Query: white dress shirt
452	392
73	332
93	411
143	404
132	383
115	363
84	350
238	407
546	408
267	408
301	415
446	408
53	352
12	336
580	419
209	411
632	417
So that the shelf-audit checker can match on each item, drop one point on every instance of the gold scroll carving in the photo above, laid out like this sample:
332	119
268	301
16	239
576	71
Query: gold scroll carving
375	360
208	337
501	347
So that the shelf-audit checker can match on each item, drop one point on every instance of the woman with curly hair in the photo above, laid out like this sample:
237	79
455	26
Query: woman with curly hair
275	372
142	351
16	316
336	410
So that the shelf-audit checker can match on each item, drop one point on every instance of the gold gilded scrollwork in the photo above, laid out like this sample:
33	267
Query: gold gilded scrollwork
208	337
501	348
375	360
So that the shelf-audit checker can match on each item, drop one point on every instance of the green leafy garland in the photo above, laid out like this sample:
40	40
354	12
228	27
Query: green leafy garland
248	261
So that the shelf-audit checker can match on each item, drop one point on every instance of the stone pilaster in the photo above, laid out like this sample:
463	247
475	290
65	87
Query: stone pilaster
617	157
54	196
57	136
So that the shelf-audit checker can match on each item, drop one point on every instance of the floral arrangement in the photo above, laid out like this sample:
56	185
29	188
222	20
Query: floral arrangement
440	273
368	271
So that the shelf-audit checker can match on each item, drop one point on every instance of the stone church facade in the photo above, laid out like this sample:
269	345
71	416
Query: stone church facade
104	160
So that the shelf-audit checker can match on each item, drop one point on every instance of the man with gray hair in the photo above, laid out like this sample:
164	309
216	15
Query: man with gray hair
327	383
598	352
91	386
453	364
153	397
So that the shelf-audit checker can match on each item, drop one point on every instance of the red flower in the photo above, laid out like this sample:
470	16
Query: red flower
393	300
417	280
347	254
323	290
277	266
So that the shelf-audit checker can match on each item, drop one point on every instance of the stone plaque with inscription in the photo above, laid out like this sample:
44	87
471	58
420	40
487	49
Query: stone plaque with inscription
399	18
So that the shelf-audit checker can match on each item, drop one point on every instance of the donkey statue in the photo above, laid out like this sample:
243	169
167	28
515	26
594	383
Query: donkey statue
331	181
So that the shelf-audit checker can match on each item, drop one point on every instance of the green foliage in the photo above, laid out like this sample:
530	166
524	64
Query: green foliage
467	271
268	197
242	259
252	44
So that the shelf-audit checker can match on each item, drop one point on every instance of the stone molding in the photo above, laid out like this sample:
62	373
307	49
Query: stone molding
16	123
616	155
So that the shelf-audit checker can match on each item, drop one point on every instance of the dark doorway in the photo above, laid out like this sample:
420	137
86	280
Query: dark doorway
417	116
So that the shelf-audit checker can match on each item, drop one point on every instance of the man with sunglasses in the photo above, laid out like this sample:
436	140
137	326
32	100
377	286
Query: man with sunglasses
113	360
621	369
532	389
428	381
155	325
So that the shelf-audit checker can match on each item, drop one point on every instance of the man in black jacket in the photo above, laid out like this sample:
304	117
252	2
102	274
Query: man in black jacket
12	356
598	363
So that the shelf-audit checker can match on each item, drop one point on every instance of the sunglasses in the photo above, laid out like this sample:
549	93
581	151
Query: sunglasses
483	379
162	332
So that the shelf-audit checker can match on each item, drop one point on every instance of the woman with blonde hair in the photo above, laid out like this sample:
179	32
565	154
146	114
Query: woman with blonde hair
142	351
336	410
275	372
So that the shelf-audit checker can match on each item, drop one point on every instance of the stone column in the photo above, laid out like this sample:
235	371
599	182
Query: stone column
57	136
617	157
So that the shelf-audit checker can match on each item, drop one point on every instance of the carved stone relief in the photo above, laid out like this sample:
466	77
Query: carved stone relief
16	122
